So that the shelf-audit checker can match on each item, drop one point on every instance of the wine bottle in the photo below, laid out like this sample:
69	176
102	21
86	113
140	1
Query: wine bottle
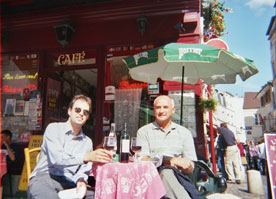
124	146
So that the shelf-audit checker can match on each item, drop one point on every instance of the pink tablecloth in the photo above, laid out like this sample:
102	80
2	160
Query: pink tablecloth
127	181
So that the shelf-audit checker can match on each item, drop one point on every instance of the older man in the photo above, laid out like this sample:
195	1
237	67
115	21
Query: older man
66	155
171	141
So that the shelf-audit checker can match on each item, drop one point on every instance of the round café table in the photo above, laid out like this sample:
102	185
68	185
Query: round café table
131	180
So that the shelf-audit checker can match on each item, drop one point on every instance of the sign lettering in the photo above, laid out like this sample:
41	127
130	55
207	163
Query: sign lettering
140	55
183	51
71	59
8	76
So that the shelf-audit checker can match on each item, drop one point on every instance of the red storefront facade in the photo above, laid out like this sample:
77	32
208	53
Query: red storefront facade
104	32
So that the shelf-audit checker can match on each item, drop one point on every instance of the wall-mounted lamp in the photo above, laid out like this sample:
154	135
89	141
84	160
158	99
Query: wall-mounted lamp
64	32
179	26
142	22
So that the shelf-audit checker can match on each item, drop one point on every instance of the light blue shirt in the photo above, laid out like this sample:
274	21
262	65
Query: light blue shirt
62	153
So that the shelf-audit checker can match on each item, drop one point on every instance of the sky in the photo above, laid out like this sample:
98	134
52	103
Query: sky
245	34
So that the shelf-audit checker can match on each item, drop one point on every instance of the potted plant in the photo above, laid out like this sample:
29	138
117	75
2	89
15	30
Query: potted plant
207	104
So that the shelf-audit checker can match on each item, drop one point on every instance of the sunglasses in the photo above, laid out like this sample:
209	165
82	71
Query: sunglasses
85	112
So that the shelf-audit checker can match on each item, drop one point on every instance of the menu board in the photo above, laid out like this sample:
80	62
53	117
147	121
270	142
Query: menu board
270	147
53	98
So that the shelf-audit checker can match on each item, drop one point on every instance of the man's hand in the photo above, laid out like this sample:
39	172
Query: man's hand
99	155
184	164
9	150
146	158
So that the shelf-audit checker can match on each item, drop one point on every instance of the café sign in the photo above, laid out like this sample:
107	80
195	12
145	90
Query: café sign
71	59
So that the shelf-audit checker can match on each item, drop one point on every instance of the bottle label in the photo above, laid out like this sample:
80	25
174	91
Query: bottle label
125	146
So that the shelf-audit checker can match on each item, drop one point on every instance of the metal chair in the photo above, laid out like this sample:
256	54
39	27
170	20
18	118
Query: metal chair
31	159
206	181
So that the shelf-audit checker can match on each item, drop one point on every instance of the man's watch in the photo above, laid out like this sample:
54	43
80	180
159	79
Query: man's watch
166	160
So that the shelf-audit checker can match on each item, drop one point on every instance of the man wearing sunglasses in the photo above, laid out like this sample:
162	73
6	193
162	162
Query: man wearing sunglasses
66	155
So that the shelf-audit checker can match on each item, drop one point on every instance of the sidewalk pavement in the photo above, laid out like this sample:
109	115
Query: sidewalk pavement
240	191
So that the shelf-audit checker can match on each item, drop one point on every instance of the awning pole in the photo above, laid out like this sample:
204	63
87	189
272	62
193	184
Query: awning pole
212	135
182	87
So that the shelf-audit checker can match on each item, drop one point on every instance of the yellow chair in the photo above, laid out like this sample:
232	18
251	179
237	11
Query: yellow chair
28	153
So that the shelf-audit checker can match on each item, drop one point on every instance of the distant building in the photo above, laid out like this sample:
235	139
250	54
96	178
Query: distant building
271	33
252	117
267	109
230	110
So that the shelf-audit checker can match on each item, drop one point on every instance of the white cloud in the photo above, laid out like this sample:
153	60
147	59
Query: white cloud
256	4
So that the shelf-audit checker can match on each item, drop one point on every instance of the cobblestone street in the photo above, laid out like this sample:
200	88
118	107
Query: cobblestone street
240	191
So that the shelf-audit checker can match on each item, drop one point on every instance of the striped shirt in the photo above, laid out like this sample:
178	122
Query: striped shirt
175	141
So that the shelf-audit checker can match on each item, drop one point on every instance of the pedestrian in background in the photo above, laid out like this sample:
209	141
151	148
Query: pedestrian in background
243	161
262	157
253	150
232	154
6	144
247	155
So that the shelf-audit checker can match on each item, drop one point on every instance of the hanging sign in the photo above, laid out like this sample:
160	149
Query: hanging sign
53	98
153	89
110	93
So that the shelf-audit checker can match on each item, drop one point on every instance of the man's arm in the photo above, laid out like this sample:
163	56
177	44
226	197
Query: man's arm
58	157
98	155
184	164
9	151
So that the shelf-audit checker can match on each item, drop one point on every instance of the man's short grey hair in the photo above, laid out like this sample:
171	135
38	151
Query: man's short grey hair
172	101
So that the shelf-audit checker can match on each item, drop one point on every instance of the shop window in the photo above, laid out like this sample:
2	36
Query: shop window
133	102
130	104
256	119
189	109
21	99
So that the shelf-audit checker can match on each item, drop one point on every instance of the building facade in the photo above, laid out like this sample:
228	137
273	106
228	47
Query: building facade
252	117
230	110
53	50
271	33
267	107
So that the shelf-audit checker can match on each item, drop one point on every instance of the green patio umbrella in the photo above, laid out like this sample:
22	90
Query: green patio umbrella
212	65
188	63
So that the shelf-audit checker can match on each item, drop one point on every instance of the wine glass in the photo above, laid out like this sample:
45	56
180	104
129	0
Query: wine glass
110	144
135	147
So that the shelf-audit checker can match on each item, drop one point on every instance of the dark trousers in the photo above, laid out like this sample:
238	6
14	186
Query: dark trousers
248	158
263	166
45	186
221	165
255	162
